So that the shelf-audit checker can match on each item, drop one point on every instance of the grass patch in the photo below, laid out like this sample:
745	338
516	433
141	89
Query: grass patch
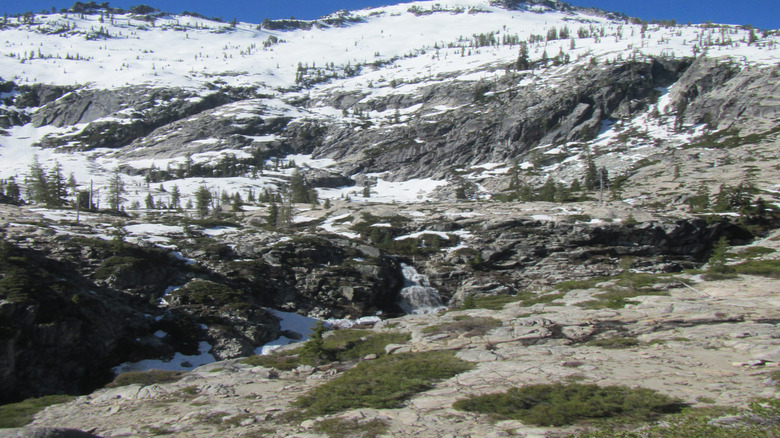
146	378
339	427
20	414
494	302
341	345
590	283
282	362
629	285
763	268
563	404
751	252
384	383
717	276
761	419
529	298
345	345
465	325
615	342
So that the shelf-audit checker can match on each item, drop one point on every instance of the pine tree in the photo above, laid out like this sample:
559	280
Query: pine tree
72	184
57	187
237	203
149	201
315	346
591	174
717	261
12	190
273	215
298	189
37	183
523	63
202	201
175	197
547	192
116	191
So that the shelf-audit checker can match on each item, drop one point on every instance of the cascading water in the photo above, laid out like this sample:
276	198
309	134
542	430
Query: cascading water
418	296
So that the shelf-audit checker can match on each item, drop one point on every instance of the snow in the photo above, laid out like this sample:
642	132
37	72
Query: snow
179	256
419	234
153	229
292	322
219	231
195	53
179	362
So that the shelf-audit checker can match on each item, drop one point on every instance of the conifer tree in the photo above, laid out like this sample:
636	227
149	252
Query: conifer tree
202	201
298	189
57	187
12	190
37	183
523	63
273	215
175	197
116	191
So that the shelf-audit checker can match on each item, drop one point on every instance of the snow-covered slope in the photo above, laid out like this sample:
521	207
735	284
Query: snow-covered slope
382	63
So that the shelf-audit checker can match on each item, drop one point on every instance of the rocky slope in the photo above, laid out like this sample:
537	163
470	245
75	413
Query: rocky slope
707	342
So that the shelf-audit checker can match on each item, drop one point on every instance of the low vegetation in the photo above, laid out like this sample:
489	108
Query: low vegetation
491	302
615	342
339	427
497	302
564	404
764	268
20	414
464	325
341	345
145	378
761	419
384	383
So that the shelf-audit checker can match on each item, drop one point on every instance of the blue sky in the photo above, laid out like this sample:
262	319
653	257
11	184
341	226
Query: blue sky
759	13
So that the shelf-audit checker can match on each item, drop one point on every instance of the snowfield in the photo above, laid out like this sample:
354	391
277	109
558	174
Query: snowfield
393	49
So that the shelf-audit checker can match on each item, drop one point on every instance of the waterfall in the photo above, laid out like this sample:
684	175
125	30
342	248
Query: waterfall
418	296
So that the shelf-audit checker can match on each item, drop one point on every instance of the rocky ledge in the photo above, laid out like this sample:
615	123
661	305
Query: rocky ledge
707	342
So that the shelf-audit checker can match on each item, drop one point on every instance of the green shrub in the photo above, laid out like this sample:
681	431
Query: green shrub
384	383
207	293
345	345
615	342
563	404
339	427
20	414
469	302
468	326
145	378
494	302
115	264
764	268
341	345
760	420
717	261
590	283
752	252
282	362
